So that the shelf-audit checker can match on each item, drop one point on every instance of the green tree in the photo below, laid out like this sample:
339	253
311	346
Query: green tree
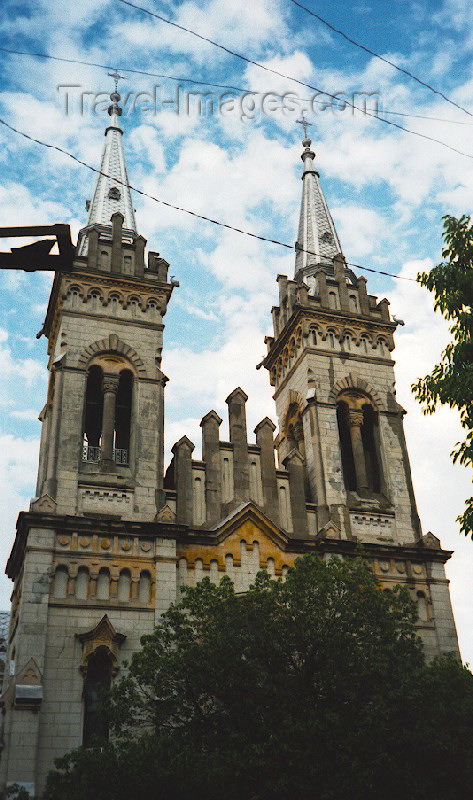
451	380
312	687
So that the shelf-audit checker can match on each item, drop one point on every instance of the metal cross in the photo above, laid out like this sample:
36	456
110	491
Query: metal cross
116	77
305	123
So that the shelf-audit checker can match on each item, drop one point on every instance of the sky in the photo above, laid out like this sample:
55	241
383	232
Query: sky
240	163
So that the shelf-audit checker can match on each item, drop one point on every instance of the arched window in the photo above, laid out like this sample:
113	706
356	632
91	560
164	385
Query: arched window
124	586
103	584
422	609
61	577
199	501
82	583
357	426
348	462
104	260
145	588
123	417
352	299
370	420
333	300
94	300
97	682
93	414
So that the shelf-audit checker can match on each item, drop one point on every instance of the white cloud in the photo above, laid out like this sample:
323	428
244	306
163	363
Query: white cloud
361	230
27	414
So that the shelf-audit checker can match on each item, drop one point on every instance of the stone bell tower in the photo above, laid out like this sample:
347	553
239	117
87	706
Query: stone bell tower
85	558
330	363
102	444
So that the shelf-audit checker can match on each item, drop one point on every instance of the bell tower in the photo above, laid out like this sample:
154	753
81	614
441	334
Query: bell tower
102	444
330	363
89	554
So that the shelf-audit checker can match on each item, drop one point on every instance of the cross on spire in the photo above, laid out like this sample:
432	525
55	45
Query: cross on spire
116	77
305	123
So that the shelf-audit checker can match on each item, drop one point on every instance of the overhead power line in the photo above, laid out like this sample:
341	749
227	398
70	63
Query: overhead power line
186	79
296	80
381	58
188	211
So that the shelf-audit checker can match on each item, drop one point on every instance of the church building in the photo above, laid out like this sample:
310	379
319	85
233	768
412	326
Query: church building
111	536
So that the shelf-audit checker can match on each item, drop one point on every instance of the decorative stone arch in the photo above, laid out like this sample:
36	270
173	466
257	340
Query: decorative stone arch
112	344
387	341
113	294
358	384
103	636
294	399
134	298
94	291
73	287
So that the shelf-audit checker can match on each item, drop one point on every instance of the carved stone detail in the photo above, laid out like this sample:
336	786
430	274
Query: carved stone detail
103	635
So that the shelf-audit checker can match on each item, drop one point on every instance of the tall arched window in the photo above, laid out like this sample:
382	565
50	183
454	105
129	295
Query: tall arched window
145	588
348	463
93	414
357	424
82	583
124	586
61	578
103	584
422	608
123	417
97	681
369	446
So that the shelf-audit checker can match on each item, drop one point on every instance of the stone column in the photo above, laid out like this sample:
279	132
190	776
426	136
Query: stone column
363	296
322	286
211	455
109	393
93	248
140	243
264	439
294	463
339	269
383	306
356	421
238	436
182	452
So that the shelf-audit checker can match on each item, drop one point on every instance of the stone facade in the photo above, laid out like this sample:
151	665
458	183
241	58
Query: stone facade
110	538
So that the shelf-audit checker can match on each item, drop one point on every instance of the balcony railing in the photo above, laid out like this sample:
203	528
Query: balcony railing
93	455
120	456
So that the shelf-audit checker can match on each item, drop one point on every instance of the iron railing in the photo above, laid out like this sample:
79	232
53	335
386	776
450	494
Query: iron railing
94	454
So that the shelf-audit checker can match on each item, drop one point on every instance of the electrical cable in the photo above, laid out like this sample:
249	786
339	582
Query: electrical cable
186	210
296	80
381	58
133	70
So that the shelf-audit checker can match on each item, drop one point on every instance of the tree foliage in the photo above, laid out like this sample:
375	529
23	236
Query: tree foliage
451	380
313	687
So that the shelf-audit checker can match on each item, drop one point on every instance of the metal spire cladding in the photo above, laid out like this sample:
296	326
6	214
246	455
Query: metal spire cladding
317	231
112	192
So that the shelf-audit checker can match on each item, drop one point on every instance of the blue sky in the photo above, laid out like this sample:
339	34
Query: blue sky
387	191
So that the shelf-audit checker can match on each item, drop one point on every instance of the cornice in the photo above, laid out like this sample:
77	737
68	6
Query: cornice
324	315
183	535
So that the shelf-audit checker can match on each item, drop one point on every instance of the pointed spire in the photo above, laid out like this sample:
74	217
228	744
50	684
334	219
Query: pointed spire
112	192
317	232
